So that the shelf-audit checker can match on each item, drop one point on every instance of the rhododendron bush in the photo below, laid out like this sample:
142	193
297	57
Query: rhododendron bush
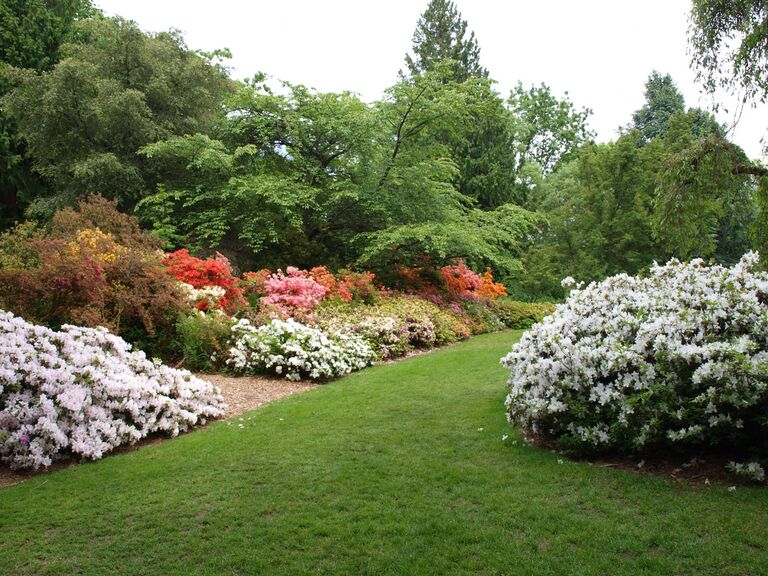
675	360
291	349
82	392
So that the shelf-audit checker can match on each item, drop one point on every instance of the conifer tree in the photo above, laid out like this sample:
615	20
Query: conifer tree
441	34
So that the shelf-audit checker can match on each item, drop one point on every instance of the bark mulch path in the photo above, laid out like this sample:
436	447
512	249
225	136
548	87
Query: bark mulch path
241	394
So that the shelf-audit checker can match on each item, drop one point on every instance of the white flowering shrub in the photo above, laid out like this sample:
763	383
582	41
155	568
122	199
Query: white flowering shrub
82	392
677	359
289	348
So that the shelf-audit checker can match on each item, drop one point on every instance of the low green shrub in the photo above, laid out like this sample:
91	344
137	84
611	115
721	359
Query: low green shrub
520	315
203	339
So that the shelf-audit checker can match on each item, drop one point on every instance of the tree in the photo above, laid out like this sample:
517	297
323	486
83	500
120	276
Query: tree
307	178
31	32
441	34
549	130
115	90
729	42
701	202
662	100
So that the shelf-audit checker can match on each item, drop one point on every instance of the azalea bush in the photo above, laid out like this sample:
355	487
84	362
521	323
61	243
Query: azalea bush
82	392
206	274
292	293
676	360
395	325
294	350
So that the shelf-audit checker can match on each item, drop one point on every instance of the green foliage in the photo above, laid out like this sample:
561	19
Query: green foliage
729	45
202	338
662	101
440	35
31	31
115	90
551	129
520	315
695	186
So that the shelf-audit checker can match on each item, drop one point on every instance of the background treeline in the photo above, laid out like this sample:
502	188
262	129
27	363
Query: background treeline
442	167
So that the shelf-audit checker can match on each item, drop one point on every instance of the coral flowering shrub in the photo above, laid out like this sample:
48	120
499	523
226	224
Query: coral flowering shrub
461	281
677	360
200	273
82	392
292	293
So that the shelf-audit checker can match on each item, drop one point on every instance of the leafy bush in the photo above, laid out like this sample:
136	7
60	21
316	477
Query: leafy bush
110	277
479	315
520	315
292	349
82	392
677	360
203	339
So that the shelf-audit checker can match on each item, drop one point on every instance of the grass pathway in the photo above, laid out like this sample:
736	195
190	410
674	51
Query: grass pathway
399	469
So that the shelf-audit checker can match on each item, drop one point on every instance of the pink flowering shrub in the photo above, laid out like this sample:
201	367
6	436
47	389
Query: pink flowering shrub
82	392
292	293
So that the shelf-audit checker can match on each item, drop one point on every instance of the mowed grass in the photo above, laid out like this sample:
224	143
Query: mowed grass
400	469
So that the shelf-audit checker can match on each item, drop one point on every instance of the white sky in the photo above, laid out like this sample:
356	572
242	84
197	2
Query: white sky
600	51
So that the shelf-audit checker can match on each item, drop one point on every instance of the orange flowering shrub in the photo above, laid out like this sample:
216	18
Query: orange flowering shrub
489	288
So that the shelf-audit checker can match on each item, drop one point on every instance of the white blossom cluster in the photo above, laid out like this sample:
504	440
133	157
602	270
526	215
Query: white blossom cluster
750	470
83	392
679	358
294	350
212	295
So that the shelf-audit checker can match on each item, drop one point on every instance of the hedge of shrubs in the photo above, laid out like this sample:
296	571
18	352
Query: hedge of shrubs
91	284
677	361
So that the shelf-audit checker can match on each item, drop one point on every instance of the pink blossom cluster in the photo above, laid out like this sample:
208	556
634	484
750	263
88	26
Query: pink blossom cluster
292	293
82	392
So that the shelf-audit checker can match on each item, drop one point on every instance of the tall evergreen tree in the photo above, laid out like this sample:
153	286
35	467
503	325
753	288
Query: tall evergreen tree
662	101
441	34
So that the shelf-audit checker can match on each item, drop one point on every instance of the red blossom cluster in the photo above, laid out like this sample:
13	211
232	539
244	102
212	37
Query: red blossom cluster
200	273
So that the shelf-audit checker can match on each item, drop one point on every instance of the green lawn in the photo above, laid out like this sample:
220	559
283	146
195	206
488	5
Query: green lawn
400	469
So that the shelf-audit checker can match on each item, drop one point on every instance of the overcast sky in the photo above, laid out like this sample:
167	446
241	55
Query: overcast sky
600	51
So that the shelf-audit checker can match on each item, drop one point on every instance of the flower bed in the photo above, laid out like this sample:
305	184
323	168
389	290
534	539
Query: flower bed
677	360
83	392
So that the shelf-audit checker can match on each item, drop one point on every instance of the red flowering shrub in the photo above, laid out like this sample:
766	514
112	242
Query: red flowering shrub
461	282
292	294
327	280
254	286
200	273
421	280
